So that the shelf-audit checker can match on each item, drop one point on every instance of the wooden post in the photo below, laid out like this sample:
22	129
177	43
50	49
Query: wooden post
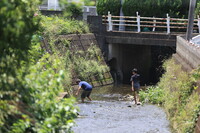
138	22
198	23
168	24
110	26
154	24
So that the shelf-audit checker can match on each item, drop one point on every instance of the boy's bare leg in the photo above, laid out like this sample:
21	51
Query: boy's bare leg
135	98
89	98
138	99
82	99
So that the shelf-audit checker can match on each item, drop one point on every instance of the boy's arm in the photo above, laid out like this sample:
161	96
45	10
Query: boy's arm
132	83
79	87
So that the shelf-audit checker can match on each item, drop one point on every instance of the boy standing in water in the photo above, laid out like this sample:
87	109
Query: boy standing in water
135	82
87	89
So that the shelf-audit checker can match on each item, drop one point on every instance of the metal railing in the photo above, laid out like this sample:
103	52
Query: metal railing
163	24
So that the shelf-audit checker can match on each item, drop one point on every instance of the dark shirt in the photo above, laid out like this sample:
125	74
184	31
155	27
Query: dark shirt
136	79
85	86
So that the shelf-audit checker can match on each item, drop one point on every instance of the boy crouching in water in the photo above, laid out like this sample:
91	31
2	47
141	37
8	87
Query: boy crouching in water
87	89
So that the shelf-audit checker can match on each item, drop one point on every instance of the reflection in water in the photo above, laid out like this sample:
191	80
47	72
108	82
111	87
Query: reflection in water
106	114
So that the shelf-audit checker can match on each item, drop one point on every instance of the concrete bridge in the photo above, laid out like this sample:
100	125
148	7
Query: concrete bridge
127	32
144	50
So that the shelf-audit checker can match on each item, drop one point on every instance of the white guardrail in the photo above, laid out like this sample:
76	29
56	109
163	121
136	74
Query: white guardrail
148	22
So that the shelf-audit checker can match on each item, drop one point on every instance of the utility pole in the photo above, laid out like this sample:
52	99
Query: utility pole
190	20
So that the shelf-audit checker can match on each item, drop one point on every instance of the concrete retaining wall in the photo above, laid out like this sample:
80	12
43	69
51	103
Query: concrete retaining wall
83	42
187	54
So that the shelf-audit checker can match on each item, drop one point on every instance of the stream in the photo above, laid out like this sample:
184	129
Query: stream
109	112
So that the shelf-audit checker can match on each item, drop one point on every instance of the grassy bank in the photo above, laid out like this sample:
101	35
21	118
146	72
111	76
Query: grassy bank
176	92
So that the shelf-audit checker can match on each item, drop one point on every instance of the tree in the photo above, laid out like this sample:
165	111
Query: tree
17	26
103	6
157	8
71	9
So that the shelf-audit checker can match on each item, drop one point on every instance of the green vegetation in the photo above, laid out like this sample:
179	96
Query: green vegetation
103	6
147	8
153	95
71	9
33	73
89	63
89	2
197	8
83	64
176	93
157	8
54	26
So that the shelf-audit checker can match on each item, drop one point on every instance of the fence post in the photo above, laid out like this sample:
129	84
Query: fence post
87	9
198	23
168	24
48	5
138	22
121	22
154	24
110	26
55	4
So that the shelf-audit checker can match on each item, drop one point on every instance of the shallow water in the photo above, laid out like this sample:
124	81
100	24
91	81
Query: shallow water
107	114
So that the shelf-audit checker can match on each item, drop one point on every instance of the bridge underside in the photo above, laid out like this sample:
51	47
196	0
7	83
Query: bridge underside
144	38
146	58
145	51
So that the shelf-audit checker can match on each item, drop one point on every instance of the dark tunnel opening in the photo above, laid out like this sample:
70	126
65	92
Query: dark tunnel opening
147	59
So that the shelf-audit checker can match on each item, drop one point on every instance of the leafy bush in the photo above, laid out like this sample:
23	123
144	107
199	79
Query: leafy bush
153	95
71	9
61	26
157	8
17	26
130	7
89	3
103	6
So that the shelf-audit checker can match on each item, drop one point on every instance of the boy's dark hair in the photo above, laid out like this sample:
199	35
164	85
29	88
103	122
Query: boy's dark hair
134	70
78	80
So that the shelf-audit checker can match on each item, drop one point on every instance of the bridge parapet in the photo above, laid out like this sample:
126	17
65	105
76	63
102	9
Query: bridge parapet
136	23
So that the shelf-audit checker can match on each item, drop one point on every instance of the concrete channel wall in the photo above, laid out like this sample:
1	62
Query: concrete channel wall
187	54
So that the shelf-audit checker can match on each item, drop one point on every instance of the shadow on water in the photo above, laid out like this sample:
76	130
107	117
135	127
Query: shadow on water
107	114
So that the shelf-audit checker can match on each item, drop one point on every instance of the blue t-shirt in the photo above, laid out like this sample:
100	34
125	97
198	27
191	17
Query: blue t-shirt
85	86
